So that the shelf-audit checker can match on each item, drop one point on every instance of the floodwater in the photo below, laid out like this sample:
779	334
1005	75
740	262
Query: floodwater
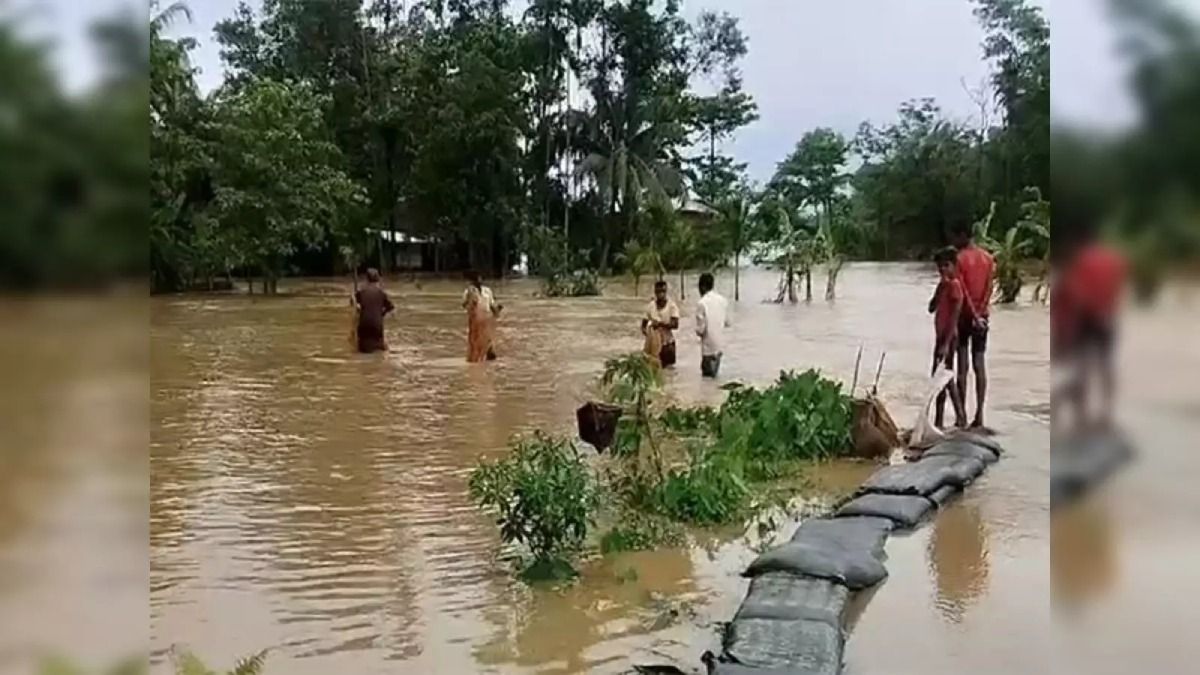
313	501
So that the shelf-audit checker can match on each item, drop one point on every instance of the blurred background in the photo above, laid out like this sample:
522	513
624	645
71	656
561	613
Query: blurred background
1126	162
73	333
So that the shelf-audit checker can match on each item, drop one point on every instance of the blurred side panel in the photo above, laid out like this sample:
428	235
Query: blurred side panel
1126	307
73	334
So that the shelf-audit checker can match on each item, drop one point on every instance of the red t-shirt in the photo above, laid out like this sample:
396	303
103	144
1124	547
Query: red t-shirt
1094	281
975	269
950	297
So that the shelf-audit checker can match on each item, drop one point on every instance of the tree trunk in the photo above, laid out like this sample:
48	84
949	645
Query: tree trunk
605	250
835	266
808	283
682	281
737	275
250	285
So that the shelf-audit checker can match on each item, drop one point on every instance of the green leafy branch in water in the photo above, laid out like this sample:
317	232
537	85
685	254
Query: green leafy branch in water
630	381
545	497
187	663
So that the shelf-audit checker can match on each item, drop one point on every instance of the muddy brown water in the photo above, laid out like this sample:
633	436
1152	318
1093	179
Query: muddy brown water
313	501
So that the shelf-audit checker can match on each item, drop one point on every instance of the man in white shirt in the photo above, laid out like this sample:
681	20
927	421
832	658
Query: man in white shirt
712	318
662	315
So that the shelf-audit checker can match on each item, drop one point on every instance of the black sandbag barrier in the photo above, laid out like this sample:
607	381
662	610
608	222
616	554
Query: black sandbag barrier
963	448
803	646
944	495
847	550
924	476
780	596
793	618
905	511
719	668
1078	465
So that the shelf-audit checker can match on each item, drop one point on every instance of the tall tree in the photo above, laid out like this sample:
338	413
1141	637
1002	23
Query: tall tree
279	181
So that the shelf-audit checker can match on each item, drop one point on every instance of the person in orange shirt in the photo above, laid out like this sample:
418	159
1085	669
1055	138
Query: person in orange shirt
947	307
977	271
1089	292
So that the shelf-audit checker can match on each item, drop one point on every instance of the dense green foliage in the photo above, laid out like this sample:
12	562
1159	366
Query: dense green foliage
72	167
755	436
545	497
469	126
697	465
454	122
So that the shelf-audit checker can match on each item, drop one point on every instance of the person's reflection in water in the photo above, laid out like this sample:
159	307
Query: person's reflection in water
1082	560
958	559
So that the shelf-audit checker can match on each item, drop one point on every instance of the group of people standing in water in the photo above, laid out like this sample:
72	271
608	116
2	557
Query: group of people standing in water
661	320
372	304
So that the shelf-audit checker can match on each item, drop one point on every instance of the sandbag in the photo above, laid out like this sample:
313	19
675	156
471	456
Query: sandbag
944	495
718	668
923	477
806	647
865	533
1077	465
962	448
969	436
924	434
848	551
906	511
786	597
653	344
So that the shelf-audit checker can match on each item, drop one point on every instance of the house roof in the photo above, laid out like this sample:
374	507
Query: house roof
695	206
398	237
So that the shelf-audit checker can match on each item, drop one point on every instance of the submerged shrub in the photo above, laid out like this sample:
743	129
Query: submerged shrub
577	284
545	498
755	436
639	531
710	491
803	416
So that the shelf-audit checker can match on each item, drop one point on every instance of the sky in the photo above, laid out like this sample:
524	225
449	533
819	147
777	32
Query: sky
811	63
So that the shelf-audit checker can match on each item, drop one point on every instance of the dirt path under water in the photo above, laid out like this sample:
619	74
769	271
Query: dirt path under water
311	500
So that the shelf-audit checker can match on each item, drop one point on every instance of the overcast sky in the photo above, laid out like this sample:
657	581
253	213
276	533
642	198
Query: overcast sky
812	63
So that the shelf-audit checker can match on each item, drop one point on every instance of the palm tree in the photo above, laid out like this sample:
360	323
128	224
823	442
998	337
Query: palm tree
165	17
733	216
640	260
629	170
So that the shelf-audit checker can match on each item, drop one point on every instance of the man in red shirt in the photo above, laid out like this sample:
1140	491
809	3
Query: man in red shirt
976	270
1087	299
947	307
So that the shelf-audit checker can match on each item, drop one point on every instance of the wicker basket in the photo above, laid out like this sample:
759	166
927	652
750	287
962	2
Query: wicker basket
598	423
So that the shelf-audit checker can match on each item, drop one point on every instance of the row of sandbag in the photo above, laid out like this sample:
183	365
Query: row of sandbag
792	620
1080	463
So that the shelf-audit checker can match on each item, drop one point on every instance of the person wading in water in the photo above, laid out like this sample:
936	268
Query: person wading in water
662	315
712	318
372	304
482	311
